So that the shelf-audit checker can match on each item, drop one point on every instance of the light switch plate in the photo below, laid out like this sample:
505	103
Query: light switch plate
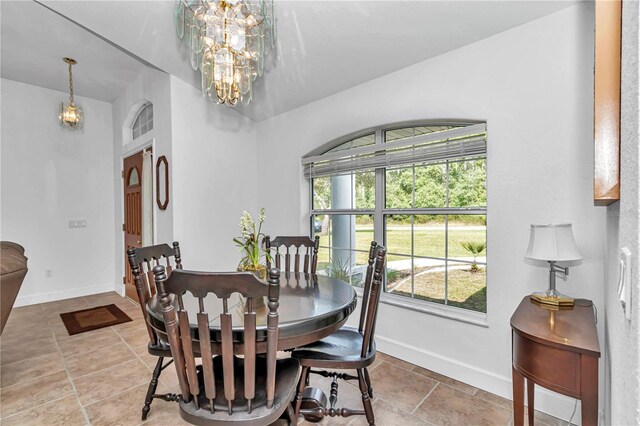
80	223
624	285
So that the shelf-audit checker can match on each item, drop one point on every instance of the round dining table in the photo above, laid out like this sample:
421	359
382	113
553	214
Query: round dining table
311	307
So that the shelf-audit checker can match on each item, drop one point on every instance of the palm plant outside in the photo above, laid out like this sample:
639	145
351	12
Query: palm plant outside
474	248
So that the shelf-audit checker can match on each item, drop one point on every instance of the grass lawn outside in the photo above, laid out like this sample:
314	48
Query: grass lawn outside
466	289
428	241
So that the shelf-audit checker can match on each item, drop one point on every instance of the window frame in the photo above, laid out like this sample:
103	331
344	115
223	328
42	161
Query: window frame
380	212
138	124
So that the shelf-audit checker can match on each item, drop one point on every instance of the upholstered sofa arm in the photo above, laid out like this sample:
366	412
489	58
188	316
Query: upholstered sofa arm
13	269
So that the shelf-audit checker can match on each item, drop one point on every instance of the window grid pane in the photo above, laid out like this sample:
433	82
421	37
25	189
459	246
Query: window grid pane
143	122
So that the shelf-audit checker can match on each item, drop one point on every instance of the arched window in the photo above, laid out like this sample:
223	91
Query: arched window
144	121
419	189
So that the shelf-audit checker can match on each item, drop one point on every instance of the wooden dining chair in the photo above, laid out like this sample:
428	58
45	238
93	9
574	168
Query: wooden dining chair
302	244
347	349
252	390
142	261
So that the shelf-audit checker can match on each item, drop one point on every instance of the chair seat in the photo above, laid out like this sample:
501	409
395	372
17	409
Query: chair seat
342	347
286	380
161	348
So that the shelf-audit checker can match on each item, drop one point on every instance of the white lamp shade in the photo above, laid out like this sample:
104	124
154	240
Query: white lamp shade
553	242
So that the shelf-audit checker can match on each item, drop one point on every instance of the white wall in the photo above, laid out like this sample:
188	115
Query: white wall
49	177
623	230
215	177
534	87
150	86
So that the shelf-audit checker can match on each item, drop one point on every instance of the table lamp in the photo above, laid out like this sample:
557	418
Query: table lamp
553	243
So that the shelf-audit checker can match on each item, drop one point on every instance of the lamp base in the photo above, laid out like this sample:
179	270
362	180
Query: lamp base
552	298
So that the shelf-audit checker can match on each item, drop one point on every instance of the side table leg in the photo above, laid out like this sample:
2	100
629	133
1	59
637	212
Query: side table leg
518	398
530	399
589	390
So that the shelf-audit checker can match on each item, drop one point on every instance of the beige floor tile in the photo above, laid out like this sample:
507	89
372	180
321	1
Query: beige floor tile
494	399
31	309
543	419
26	327
122	409
126	408
84	343
26	349
20	317
399	387
61	305
137	324
11	337
146	357
388	415
380	356
54	309
22	396
107	382
29	369
448	406
104	298
166	420
63	412
446	380
99	359
135	338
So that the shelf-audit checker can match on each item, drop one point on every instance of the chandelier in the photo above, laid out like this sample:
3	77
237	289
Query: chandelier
70	115
227	42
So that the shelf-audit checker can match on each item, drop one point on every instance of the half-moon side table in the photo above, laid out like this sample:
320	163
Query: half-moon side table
556	349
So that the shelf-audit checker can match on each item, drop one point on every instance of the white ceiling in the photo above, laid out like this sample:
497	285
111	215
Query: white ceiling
33	41
323	46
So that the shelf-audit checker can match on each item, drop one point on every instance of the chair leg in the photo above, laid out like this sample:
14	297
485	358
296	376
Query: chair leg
304	377
368	379
293	419
152	388
366	400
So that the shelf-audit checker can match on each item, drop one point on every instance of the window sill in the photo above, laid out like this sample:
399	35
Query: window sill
449	312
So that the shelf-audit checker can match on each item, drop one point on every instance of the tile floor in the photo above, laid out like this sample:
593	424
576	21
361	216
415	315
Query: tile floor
101	378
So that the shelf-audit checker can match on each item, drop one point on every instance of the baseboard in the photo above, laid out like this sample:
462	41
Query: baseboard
69	293
546	401
120	289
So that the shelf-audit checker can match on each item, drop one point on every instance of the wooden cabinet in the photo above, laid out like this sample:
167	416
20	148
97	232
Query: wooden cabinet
606	108
558	350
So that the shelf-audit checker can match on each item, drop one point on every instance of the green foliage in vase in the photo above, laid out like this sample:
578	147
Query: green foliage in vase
474	248
250	242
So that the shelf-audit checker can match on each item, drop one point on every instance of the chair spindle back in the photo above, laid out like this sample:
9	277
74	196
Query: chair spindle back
306	245
142	261
222	285
371	296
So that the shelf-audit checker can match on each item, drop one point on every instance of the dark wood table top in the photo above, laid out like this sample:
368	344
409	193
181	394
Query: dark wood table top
311	307
572	329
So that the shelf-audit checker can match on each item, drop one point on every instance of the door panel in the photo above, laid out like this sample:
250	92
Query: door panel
132	178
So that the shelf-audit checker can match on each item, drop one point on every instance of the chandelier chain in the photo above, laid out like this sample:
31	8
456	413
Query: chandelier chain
70	85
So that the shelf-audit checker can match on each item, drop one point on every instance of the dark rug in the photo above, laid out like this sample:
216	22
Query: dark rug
93	318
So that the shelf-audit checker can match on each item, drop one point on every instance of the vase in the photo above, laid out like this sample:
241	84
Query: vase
259	271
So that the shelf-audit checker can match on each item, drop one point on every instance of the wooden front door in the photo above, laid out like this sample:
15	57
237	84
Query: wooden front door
132	215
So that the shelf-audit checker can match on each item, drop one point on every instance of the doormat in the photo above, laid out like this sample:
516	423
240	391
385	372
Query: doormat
93	318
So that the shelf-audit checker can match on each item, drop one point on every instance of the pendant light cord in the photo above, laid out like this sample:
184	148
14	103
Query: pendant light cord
70	85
